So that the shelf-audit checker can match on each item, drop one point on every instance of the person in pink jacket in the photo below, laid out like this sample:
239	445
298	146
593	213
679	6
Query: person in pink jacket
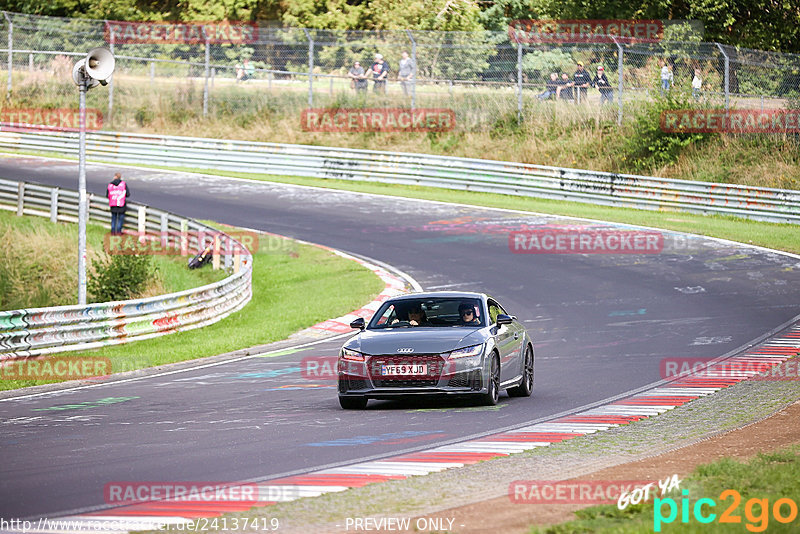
117	193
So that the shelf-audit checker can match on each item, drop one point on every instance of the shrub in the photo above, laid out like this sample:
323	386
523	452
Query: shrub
119	277
648	146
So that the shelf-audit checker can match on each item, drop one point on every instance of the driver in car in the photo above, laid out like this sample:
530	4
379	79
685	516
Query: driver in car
416	316
466	315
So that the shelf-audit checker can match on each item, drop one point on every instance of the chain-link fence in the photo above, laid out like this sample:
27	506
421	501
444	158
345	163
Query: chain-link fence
276	71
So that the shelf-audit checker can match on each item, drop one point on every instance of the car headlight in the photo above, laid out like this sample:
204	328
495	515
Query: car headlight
466	352
352	355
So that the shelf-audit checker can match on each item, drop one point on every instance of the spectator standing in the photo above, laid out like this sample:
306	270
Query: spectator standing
550	88
601	82
666	78
380	71
564	89
117	192
406	72
697	84
581	80
358	78
244	71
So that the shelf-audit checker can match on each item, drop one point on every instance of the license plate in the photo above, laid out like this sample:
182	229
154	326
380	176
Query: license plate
404	370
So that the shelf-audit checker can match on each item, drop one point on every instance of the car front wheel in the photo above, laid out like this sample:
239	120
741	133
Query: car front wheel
525	387
493	384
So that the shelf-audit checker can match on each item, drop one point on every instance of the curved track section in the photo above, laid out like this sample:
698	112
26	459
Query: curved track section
602	323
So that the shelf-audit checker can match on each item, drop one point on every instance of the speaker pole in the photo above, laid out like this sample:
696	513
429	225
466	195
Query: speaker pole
82	206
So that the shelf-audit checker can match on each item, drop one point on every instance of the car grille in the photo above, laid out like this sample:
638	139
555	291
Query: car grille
350	383
434	362
356	383
465	380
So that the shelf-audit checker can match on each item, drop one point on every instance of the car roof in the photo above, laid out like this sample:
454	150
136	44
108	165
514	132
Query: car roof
441	294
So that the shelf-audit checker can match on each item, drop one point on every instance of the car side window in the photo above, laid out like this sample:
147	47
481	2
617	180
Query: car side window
494	310
388	316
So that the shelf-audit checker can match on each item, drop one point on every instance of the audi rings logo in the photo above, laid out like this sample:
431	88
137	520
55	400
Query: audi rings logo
405	350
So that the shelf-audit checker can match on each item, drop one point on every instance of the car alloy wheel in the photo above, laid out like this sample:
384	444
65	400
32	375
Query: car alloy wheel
493	384
525	387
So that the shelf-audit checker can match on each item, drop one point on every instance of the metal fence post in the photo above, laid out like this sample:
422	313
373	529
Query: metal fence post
152	71
83	207
416	70
111	84
205	75
519	81
141	222
10	52
54	205
620	64
184	238
310	68
727	76
165	230
228	252
20	198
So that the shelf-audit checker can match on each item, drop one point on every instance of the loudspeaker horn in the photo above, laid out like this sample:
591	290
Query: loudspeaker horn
99	64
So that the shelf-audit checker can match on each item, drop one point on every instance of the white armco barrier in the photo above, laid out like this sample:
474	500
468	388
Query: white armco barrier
40	331
622	190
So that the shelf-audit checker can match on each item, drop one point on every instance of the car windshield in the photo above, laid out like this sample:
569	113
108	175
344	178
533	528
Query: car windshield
429	312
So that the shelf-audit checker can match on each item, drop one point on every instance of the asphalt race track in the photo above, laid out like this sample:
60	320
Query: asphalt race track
602	324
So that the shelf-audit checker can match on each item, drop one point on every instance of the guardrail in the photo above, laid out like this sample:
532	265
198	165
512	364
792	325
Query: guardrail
40	331
621	190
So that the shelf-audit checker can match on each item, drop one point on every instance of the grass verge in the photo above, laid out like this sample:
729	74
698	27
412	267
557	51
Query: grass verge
38	265
294	286
757	486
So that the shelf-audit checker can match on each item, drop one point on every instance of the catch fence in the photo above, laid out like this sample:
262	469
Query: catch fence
482	76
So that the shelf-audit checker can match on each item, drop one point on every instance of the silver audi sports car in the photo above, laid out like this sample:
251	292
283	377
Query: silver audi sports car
451	343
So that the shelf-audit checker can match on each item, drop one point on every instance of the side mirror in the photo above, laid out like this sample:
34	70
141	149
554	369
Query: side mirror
504	319
359	323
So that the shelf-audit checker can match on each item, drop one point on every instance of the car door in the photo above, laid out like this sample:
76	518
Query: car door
509	342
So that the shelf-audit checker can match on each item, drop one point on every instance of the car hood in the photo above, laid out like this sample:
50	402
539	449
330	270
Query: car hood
423	340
